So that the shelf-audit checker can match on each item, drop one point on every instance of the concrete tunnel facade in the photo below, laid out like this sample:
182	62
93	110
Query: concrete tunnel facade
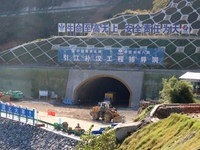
90	86
92	90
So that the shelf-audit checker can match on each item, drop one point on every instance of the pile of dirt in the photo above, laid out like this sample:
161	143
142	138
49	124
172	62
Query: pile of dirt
165	110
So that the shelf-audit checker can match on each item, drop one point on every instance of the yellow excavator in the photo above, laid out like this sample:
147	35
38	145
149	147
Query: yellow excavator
106	112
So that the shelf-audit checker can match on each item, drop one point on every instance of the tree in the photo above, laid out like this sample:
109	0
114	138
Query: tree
105	141
177	91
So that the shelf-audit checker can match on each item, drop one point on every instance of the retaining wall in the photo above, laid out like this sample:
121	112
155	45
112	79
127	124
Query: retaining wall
165	110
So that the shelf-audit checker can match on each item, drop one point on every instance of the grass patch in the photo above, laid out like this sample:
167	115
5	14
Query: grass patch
144	113
175	132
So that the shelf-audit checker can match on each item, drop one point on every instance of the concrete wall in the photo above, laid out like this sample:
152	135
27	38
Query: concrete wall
31	80
153	82
132	80
141	85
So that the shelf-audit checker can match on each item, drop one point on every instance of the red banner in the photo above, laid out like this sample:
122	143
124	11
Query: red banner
51	113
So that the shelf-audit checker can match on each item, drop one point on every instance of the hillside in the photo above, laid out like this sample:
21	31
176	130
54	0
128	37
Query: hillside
177	132
23	21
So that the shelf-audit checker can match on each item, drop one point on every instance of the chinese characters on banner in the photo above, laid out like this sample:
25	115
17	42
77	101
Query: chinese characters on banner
10	109
112	56
61	27
136	29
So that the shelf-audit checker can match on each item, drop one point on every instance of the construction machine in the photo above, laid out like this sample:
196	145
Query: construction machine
110	96
16	95
10	95
106	112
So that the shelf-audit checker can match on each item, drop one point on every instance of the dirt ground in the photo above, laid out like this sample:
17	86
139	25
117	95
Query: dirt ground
74	114
69	113
63	110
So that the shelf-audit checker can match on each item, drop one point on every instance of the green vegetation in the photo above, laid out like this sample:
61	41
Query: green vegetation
144	113
177	91
145	7
158	4
175	132
153	83
105	141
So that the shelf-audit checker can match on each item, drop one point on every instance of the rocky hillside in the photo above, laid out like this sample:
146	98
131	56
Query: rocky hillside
18	6
21	136
24	21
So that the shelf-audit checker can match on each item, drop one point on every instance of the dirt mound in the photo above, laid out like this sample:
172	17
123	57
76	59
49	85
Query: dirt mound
165	110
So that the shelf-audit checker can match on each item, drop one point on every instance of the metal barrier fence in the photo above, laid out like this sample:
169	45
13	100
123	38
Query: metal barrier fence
10	109
60	127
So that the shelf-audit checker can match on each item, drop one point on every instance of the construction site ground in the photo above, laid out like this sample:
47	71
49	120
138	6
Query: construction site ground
69	113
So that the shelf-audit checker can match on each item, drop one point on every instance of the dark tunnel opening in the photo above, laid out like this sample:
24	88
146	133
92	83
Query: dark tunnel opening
93	91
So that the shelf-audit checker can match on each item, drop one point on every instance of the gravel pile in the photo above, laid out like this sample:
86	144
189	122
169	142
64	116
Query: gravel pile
16	135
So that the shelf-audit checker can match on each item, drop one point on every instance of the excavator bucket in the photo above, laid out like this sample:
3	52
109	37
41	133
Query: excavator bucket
117	119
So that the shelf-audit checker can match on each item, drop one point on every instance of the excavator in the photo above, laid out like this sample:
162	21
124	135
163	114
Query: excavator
106	112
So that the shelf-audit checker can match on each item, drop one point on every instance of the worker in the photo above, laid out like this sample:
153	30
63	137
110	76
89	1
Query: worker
79	103
102	110
110	106
77	128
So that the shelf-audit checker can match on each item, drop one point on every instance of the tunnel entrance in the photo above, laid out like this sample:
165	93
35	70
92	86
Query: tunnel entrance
93	91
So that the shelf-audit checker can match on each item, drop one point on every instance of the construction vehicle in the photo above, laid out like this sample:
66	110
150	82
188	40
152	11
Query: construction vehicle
110	96
13	95
106	112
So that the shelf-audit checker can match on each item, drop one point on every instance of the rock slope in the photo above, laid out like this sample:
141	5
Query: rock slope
20	136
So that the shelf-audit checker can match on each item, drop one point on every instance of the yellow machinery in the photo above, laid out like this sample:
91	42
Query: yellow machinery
110	96
105	112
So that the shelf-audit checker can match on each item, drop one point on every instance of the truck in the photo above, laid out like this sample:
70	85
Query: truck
110	96
14	94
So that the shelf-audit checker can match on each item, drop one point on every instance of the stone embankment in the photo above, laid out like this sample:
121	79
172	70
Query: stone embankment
20	136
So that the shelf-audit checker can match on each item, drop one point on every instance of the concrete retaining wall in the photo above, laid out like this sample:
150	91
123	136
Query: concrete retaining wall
165	110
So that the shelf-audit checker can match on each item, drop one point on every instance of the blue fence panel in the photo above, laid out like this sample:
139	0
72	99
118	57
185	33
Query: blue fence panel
69	102
9	109
18	111
23	112
3	107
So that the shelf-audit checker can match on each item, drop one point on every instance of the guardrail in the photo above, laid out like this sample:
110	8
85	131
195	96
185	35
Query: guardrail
59	127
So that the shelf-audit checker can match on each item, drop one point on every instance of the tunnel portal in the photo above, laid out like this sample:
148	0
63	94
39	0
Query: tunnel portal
93	90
